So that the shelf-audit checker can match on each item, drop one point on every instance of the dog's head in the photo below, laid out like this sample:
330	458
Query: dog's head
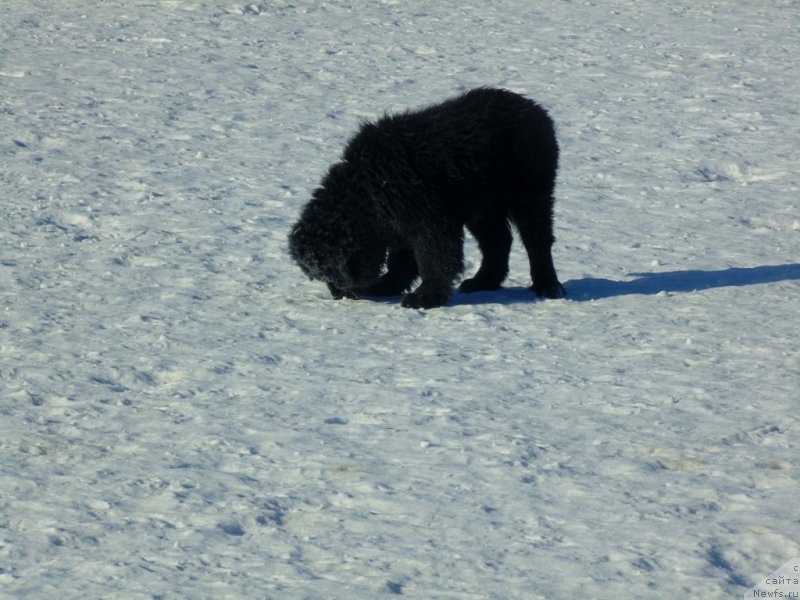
334	242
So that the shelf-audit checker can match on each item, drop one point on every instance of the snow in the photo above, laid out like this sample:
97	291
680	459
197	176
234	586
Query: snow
184	415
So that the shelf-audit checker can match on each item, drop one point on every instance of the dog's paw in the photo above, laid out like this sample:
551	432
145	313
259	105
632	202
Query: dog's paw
382	288
552	291
339	293
476	284
426	297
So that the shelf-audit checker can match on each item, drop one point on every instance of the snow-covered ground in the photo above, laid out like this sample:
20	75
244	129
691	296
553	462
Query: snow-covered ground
184	415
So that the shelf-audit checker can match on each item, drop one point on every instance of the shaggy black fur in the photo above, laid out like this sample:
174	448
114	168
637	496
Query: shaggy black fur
396	205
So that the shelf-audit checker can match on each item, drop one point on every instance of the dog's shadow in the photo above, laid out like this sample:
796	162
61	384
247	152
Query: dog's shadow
647	284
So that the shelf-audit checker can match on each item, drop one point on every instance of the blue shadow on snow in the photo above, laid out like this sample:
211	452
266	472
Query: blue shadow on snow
648	284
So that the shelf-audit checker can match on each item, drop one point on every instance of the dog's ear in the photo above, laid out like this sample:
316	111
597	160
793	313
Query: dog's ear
293	238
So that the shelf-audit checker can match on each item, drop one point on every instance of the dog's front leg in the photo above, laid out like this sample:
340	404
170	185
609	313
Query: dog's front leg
440	256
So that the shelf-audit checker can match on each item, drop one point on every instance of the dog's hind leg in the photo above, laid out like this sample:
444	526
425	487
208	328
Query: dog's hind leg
534	221
494	240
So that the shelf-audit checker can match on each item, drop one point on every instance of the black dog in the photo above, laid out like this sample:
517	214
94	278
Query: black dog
407	186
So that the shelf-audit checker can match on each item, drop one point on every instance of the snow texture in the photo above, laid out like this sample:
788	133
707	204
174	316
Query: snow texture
184	415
